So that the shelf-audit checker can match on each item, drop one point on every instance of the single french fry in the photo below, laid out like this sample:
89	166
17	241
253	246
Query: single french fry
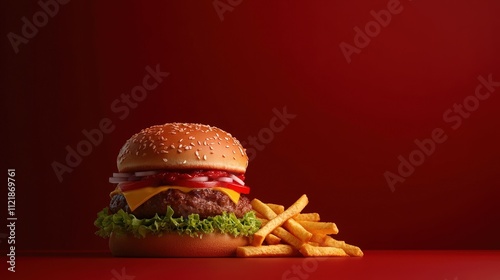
278	209
320	227
313	217
291	211
272	239
280	250
351	250
312	251
298	230
258	215
318	238
263	209
288	237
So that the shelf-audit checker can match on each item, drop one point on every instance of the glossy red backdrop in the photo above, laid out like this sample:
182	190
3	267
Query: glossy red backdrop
334	94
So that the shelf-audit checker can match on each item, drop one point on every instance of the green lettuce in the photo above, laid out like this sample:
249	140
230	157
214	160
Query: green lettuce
125	223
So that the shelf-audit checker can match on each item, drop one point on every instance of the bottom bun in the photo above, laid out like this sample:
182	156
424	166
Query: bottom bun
175	245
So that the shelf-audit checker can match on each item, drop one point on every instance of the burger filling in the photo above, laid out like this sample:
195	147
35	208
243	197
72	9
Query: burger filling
187	202
202	192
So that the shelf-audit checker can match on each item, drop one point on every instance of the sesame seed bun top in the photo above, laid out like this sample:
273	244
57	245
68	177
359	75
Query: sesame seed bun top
182	146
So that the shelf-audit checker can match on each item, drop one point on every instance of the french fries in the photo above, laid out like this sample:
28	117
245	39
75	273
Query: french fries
259	236
266	211
287	232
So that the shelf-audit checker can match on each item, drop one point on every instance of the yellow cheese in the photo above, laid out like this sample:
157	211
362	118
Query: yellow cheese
136	198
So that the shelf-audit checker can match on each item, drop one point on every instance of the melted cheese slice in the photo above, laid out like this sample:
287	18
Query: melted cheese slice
136	198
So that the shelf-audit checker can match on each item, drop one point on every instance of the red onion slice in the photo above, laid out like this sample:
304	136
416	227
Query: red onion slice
199	179
237	180
122	175
225	179
116	180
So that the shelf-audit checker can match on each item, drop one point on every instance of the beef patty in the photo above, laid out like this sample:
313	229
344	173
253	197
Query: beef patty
205	202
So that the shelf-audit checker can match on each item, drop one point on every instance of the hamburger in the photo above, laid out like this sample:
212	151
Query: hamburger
179	192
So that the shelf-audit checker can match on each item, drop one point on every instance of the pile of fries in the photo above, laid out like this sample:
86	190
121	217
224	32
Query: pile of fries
290	233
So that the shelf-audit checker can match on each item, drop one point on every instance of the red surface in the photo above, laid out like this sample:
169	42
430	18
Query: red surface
441	265
235	74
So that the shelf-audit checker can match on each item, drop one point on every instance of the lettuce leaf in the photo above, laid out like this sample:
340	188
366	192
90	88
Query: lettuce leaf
125	223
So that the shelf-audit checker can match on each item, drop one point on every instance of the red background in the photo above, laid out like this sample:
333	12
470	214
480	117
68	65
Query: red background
352	120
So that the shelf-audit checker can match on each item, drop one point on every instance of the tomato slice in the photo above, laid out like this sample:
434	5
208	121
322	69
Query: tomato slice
236	187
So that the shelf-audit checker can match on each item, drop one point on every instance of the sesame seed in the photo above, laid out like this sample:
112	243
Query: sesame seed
165	160
204	157
179	150
172	146
211	148
184	162
180	146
